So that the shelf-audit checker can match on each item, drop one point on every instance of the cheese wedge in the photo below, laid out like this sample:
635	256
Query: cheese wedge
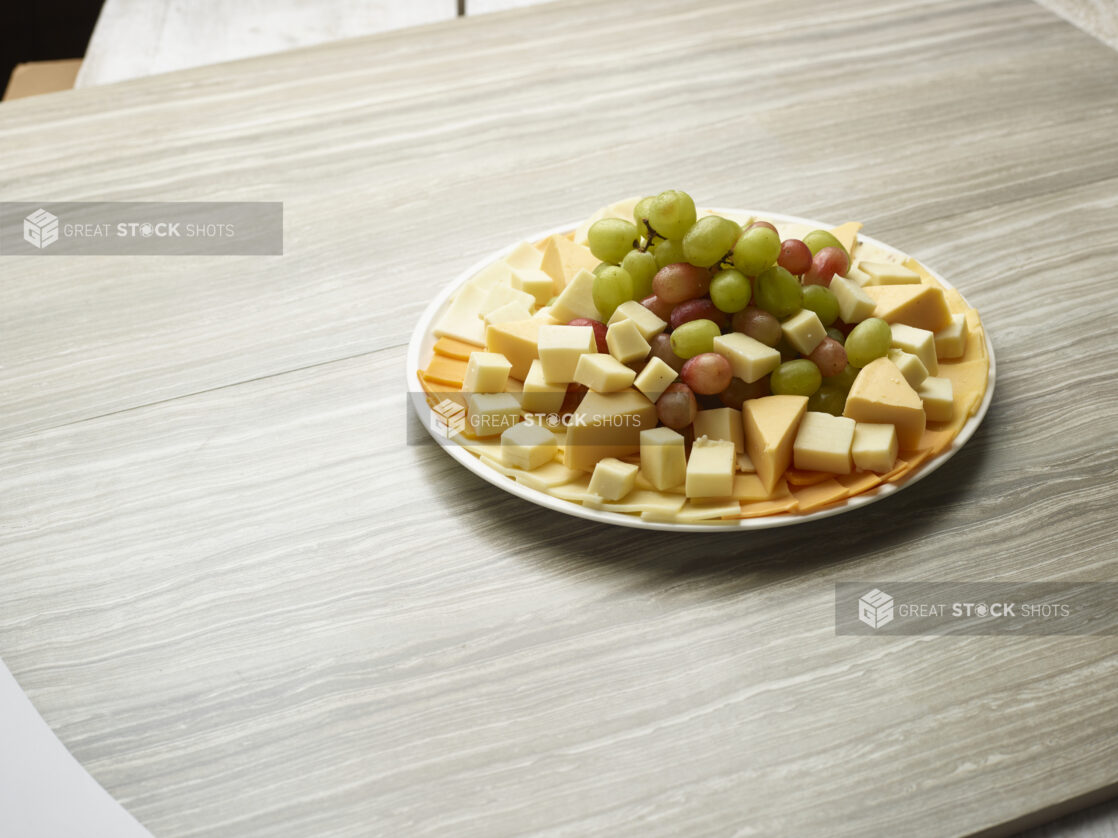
771	423
920	306
576	300
847	234
607	425
518	341
881	395
562	259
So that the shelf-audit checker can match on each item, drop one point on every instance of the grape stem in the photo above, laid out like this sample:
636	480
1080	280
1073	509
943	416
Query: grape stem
652	234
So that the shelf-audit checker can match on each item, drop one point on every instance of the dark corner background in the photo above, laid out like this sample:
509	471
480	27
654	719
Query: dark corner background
44	30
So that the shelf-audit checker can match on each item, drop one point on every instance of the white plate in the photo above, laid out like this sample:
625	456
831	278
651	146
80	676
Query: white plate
421	346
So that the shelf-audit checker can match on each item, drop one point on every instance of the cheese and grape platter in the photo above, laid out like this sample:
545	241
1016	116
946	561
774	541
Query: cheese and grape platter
668	367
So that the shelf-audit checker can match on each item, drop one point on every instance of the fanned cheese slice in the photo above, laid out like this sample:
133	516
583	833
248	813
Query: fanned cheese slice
818	495
847	234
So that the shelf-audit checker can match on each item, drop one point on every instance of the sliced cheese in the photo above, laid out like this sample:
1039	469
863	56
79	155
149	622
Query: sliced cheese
847	234
576	300
771	423
606	425
920	306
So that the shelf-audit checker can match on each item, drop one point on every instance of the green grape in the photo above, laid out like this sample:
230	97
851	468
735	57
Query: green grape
612	287
868	341
730	290
669	252
827	399
601	266
640	213
756	249
709	240
694	338
671	214
795	378
611	238
778	291
834	333
823	302
816	240
641	267
844	380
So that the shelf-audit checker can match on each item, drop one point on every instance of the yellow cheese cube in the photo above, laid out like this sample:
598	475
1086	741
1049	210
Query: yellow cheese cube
527	446
489	414
855	305
602	373
648	323
804	331
535	282
920	306
750	359
880	394
771	423
918	342
560	347
606	425
911	367
663	458
517	341
509	311
710	469
625	341
951	342
540	395
939	399
874	447
486	372
887	273
613	479
654	379
524	255
576	299
721	423
823	443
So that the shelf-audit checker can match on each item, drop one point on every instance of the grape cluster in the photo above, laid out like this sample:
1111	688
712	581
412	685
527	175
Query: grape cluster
709	276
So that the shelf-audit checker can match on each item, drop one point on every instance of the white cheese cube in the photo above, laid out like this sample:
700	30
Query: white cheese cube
911	367
527	446
540	395
663	458
823	443
486	372
710	469
489	414
655	378
919	342
613	479
625	341
560	347
524	255
938	397
648	323
535	282
750	359
603	373
887	273
721	423
875	446
855	305
951	342
509	311
803	330
576	299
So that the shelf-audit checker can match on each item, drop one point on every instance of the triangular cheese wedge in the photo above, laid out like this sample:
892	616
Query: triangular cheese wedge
847	234
920	306
517	340
562	259
771	423
577	299
880	393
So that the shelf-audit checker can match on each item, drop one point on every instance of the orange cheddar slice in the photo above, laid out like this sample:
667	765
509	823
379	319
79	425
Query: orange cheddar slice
818	495
799	477
758	509
859	481
443	370
453	348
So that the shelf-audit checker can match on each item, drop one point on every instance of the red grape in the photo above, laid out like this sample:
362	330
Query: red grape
599	331
662	349
698	309
708	373
738	391
573	398
658	307
676	406
828	262
795	256
758	324
761	224
829	356
680	281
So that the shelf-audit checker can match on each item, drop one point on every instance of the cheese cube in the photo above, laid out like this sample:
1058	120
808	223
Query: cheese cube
603	373
887	273
770	431
560	347
606	425
710	469
919	342
524	255
804	331
625	341
663	458
951	342
721	423
540	395
750	359
875	446
486	372
489	414
880	394
823	443
921	306
535	282
509	311
655	378
613	479
911	367
855	305
527	446
576	299
648	323
939	399
516	340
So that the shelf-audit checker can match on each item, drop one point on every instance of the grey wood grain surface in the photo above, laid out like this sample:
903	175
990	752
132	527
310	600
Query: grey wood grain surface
249	608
